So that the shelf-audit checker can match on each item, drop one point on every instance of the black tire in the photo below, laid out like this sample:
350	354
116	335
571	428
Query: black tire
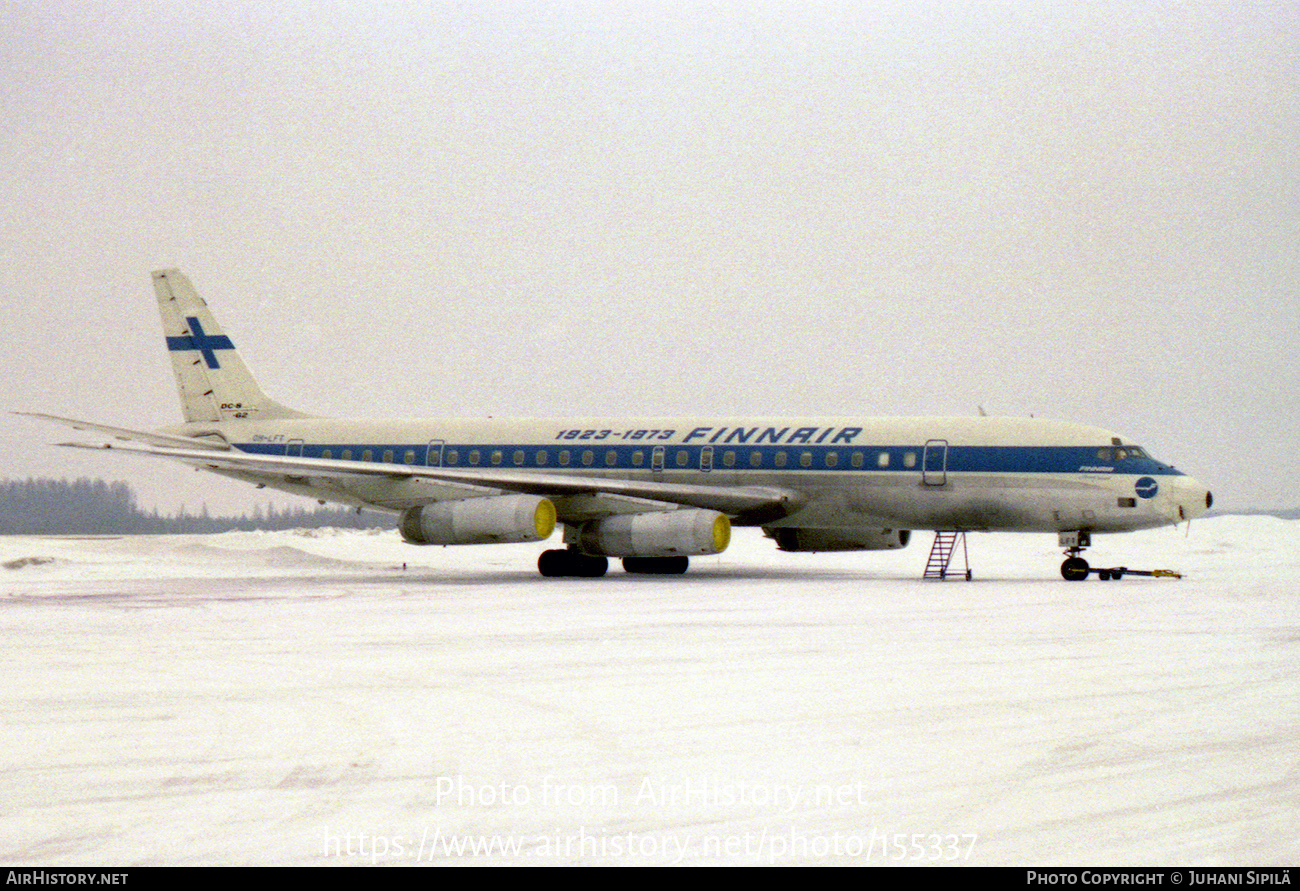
589	566
1074	569
553	563
656	565
557	563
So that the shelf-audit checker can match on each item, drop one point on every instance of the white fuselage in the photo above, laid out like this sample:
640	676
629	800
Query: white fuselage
972	473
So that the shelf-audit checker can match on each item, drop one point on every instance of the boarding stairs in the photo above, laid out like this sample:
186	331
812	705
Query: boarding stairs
942	552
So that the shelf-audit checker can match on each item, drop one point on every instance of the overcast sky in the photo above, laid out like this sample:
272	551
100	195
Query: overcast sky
1087	211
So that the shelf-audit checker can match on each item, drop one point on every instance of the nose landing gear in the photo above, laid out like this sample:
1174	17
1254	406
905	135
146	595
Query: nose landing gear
1076	569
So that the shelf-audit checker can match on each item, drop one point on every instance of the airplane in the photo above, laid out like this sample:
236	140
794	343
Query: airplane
656	491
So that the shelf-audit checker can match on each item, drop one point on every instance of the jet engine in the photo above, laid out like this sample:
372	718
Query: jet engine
489	520
671	533
854	538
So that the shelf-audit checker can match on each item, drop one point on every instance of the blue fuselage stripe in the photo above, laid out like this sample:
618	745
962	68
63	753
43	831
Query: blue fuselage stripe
791	458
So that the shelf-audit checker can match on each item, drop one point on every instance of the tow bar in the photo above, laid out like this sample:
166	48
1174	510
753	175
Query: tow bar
1119	572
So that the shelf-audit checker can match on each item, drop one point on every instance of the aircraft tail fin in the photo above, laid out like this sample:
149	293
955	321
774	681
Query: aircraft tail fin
213	382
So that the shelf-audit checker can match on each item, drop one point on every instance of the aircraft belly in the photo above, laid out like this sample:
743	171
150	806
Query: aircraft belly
970	502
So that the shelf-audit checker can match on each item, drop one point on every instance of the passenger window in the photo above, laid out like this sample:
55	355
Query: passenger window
858	460
755	459
519	456
453	456
909	459
587	457
779	460
474	456
729	459
638	458
368	455
388	456
564	458
541	458
805	459
683	458
882	460
496	456
832	459
347	455
327	454
611	458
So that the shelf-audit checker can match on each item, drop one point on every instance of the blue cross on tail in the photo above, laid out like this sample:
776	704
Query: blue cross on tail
207	344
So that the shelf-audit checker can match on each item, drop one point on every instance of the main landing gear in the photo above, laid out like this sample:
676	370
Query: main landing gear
572	562
556	563
1076	569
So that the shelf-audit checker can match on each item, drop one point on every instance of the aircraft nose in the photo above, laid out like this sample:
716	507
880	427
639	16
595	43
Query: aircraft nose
1191	499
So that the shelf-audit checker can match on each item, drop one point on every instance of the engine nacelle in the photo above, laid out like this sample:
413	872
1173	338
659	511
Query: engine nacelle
505	518
854	538
673	533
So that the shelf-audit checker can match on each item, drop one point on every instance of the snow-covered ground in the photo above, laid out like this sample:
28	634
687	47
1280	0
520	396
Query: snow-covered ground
283	698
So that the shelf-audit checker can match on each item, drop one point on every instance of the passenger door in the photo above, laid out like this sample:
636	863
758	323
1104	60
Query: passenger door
934	463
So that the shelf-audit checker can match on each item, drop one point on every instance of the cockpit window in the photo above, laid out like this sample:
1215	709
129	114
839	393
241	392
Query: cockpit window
1120	453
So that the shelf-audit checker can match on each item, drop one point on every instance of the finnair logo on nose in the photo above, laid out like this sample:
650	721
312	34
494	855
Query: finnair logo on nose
206	344
1146	487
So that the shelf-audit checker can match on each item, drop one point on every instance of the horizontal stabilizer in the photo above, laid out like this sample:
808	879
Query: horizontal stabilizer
125	434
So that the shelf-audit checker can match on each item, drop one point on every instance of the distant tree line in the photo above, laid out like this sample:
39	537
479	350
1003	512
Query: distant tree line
95	507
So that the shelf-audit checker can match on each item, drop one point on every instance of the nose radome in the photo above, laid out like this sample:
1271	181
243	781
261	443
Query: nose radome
1192	498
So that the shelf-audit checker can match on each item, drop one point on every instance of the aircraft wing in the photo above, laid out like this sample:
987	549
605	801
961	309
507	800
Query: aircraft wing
751	502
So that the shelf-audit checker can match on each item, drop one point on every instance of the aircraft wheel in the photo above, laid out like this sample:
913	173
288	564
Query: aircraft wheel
557	563
553	563
1074	569
656	565
591	566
